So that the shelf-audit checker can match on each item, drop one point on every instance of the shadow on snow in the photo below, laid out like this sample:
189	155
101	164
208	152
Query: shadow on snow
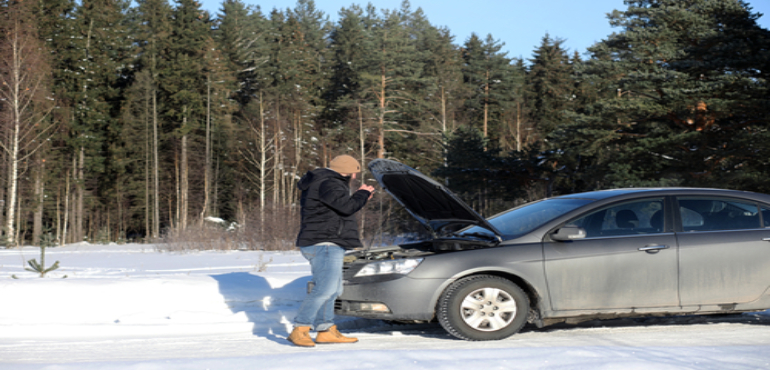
272	310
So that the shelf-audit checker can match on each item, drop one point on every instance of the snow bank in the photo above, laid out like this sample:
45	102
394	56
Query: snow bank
135	290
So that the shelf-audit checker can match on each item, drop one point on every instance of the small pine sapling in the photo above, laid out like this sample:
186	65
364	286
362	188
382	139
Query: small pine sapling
46	240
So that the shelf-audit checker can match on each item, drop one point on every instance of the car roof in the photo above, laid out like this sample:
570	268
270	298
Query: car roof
620	193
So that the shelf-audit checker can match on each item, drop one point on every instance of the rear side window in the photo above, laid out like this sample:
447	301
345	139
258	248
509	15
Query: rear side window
711	214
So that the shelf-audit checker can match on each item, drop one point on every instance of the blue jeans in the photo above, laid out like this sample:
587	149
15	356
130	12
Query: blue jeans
317	310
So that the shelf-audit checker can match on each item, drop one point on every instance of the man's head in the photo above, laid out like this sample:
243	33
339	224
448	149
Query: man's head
345	165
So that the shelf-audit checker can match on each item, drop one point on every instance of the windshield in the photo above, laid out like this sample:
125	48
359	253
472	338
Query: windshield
521	220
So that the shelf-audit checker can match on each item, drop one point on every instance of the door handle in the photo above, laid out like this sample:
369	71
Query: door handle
653	248
766	239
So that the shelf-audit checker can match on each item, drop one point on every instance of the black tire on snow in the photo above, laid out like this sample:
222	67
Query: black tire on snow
450	313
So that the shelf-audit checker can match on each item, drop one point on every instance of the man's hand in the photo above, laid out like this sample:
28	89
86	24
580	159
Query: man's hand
368	188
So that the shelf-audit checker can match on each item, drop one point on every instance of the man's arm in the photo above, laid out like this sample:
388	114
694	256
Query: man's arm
339	199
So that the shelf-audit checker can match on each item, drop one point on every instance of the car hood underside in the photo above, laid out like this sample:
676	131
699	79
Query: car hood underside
426	200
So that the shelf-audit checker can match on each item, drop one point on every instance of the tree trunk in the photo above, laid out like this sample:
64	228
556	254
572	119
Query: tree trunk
13	173
207	169
184	183
277	158
178	188
58	213
65	225
444	134
486	103
381	121
155	165
518	126
37	217
361	143
119	226
20	227
147	177
79	214
15	100
3	189
297	156
262	166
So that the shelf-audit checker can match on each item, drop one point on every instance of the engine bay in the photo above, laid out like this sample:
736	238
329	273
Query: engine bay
417	249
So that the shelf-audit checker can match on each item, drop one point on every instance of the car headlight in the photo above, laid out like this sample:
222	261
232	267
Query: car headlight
400	266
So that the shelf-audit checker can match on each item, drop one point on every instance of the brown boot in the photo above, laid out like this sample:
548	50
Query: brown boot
300	336
333	336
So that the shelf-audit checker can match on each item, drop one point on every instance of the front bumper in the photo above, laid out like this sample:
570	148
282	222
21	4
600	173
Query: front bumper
403	298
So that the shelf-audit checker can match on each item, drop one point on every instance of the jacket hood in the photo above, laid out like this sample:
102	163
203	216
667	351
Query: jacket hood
428	201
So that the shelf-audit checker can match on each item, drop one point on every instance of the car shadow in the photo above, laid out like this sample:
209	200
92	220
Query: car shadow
749	318
269	309
434	330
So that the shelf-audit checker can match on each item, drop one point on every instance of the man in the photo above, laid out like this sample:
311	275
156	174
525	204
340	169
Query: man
328	228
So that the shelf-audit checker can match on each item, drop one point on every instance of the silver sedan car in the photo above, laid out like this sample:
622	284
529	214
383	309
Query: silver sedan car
603	254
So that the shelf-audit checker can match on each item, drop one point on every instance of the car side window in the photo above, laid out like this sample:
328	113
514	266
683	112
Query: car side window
712	214
765	216
630	218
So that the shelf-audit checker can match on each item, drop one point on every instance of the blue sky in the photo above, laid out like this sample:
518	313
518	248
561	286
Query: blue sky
519	24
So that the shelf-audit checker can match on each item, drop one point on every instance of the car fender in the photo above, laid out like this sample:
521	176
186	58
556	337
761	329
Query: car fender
522	264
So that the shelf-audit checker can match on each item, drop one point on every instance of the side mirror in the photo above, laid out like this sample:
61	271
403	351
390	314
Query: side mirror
568	232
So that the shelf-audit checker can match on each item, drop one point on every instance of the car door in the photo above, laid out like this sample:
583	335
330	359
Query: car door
724	250
627	260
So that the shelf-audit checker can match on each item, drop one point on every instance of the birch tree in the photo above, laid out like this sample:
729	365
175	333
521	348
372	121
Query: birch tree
25	99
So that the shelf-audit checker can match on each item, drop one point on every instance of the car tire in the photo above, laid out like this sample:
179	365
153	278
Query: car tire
483	307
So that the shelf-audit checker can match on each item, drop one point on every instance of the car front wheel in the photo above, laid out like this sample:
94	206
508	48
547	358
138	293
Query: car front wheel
483	307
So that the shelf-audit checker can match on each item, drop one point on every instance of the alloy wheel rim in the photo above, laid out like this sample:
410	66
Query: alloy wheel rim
488	309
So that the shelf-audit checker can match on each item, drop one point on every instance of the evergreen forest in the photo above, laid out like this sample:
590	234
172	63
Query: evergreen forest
128	121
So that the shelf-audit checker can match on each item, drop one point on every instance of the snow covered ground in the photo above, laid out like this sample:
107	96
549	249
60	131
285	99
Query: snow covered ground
132	307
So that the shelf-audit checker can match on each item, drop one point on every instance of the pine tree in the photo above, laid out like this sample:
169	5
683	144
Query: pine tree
287	93
220	87
479	171
521	132
136	157
470	158
377	69
240	35
350	45
154	29
310	31
487	72
92	79
686	103
433	96
439	101
183	80
550	86
394	66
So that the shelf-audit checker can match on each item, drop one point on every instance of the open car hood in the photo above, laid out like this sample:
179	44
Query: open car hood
428	201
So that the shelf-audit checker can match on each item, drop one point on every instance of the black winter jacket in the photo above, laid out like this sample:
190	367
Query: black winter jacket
328	209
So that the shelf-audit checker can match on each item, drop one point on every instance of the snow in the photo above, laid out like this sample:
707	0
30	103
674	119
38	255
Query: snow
133	307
